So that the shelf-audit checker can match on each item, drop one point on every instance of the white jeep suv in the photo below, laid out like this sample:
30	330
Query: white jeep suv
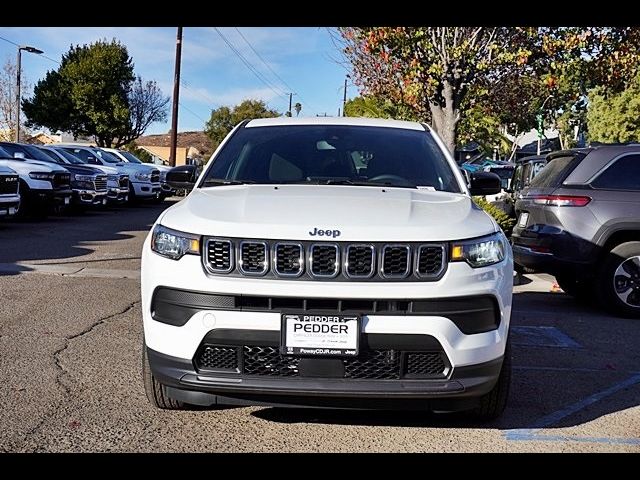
332	262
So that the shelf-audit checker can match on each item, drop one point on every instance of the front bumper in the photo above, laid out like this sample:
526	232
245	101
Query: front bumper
117	195
89	197
9	205
167	191
146	189
49	197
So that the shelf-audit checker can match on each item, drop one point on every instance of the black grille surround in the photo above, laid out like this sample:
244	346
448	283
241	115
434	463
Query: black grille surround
327	261
123	181
155	176
9	184
371	364
61	181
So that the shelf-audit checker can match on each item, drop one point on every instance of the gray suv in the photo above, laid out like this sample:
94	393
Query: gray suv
580	220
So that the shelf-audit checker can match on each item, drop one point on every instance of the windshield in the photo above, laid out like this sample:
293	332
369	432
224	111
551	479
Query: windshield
35	153
4	153
332	154
69	157
108	157
130	157
52	155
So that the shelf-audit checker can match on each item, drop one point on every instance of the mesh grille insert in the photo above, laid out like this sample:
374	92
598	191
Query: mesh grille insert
395	261
425	364
430	260
374	364
289	259
360	260
324	260
218	358
268	361
219	255
253	256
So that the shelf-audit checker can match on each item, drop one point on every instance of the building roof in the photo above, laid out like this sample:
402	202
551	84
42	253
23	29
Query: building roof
197	140
356	121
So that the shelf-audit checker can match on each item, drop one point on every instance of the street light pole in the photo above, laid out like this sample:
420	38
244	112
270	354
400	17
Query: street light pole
173	141
541	121
344	97
18	81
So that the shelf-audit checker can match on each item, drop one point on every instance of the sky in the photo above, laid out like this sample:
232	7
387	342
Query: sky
299	59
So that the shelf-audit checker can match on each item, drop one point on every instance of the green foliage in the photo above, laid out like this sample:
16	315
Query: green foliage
94	92
505	221
223	119
615	117
376	107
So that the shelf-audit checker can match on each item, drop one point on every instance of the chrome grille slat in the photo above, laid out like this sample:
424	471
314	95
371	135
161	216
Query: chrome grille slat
396	261
253	257
219	256
100	183
325	261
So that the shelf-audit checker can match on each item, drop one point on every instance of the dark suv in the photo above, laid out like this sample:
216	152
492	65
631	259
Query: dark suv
580	220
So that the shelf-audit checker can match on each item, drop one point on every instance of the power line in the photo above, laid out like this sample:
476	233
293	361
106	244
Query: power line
291	89
18	45
192	112
205	96
253	70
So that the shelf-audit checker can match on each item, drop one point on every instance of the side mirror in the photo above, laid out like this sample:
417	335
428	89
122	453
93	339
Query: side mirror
182	177
18	155
484	183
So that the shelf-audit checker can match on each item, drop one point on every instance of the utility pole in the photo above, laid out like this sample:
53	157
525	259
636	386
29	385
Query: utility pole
344	96
18	81
176	95
289	113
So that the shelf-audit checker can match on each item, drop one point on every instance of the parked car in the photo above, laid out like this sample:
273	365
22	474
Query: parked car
336	261
579	220
9	192
43	186
144	181
129	157
117	183
526	169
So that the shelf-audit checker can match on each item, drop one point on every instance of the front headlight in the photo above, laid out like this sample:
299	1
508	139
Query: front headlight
83	178
41	175
145	177
173	244
480	252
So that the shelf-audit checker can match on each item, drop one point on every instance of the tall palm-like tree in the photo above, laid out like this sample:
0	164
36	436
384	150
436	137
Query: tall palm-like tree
297	107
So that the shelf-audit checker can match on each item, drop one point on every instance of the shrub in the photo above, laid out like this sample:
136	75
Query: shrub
505	221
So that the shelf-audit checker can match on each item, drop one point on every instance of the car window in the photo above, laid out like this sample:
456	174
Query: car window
556	170
623	174
516	182
333	153
51	155
35	153
537	168
69	157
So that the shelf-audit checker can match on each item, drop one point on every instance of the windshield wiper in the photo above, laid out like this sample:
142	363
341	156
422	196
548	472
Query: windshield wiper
213	182
360	183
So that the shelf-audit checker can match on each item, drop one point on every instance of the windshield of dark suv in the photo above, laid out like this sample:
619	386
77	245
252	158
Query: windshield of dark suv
332	155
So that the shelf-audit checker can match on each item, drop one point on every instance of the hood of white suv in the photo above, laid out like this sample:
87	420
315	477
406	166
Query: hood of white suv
296	212
27	166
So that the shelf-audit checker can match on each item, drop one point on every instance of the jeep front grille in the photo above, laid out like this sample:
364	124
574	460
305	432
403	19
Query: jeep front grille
361	261
289	259
396	261
253	258
324	260
337	261
219	256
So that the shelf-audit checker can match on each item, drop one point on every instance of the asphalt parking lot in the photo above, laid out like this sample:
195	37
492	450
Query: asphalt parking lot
70	351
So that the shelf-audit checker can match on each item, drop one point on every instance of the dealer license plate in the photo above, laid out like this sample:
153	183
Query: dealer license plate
320	334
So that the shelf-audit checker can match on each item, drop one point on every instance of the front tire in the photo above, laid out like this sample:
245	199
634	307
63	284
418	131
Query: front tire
579	289
492	404
156	392
619	280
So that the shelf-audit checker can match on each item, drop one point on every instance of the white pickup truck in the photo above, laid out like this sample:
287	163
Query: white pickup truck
9	192
335	262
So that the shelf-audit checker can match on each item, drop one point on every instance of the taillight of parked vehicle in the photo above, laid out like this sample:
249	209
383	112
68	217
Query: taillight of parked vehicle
560	200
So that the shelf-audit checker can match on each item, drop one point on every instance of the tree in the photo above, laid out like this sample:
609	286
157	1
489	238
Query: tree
377	107
95	93
223	119
8	100
615	117
432	70
297	107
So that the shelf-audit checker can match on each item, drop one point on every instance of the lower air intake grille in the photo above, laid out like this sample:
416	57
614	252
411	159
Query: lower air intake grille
425	364
219	358
374	364
268	361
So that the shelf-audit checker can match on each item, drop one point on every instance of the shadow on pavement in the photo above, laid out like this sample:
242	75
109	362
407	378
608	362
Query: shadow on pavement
595	373
65	236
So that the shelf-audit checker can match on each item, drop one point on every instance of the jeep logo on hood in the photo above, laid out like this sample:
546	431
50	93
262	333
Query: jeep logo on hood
324	233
